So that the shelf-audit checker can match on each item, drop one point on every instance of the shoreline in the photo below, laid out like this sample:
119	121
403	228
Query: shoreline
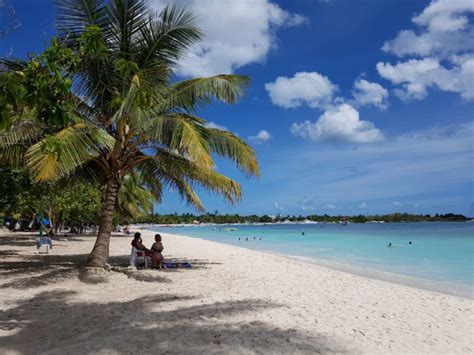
178	225
232	300
442	287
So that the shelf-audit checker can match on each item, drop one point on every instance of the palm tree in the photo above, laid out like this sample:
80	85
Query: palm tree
131	119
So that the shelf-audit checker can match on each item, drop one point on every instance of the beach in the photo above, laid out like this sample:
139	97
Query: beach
232	300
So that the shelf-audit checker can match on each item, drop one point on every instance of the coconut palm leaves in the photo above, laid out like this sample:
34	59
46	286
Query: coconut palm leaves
61	154
134	199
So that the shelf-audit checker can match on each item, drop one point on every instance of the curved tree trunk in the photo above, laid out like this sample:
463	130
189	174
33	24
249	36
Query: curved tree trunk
100	253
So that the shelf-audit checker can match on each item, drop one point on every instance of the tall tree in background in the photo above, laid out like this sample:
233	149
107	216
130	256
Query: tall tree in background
129	117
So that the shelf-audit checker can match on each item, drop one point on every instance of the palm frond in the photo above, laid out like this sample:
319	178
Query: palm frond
73	16
126	18
23	132
180	132
228	145
12	64
180	172
189	94
59	155
168	36
134	199
12	155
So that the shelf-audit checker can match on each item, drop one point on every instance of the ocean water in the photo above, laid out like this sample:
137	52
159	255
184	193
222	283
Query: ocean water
441	255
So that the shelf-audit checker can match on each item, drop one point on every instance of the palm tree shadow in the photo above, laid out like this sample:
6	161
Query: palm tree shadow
40	270
52	322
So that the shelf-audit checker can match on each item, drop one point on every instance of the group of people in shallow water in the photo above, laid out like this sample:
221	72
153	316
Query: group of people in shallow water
390	244
247	238
155	252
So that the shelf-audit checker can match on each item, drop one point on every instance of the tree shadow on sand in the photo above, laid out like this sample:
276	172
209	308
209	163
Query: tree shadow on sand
41	270
17	240
38	270
53	323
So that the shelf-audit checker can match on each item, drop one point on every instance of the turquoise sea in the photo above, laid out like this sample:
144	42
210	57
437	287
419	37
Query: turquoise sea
441	255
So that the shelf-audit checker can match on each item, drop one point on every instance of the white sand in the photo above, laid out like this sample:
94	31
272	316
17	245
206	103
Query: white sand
233	301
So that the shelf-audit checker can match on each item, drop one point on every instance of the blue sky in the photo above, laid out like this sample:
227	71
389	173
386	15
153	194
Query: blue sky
355	106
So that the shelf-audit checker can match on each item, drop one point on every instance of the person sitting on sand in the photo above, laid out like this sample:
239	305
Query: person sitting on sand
156	256
137	243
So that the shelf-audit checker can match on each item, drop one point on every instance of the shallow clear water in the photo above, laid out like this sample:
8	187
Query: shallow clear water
442	252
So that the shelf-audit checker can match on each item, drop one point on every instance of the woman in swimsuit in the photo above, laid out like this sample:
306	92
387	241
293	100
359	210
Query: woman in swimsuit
156	256
137	243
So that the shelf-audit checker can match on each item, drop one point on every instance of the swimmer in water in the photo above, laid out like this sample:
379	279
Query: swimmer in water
410	242
302	233
389	245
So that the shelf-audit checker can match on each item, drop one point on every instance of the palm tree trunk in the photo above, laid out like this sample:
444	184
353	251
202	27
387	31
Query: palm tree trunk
100	253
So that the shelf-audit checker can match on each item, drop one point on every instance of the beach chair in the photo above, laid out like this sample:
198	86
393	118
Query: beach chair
44	241
135	254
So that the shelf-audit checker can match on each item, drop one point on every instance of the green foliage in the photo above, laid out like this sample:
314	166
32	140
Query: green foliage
18	194
40	87
134	199
72	202
235	218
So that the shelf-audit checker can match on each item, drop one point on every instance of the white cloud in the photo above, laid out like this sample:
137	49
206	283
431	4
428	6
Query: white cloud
216	125
261	137
338	123
310	88
237	33
328	207
397	204
443	48
445	15
278	207
308	203
368	93
444	28
417	75
362	205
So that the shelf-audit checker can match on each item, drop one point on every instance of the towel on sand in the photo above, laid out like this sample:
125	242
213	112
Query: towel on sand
173	265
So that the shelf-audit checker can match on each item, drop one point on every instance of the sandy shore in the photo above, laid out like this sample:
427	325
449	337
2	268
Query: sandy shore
233	300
